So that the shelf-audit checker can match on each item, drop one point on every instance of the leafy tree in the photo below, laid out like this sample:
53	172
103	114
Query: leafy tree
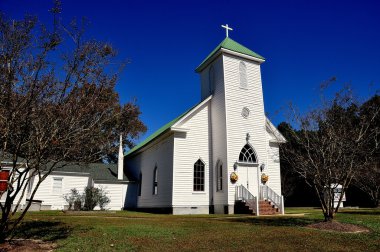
328	145
369	178
57	103
289	178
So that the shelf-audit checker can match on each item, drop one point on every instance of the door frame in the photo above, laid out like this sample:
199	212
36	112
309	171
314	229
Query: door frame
250	166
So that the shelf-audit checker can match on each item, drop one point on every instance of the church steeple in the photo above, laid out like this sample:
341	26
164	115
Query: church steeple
228	45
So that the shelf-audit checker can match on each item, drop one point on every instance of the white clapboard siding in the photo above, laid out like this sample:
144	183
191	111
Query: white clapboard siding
217	131
18	196
116	194
237	125
272	168
188	148
158	153
55	200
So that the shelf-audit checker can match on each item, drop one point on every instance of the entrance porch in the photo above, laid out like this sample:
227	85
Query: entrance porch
267	203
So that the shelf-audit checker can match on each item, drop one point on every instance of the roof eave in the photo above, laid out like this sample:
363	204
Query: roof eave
210	59
221	50
170	130
175	126
104	181
242	55
163	134
279	138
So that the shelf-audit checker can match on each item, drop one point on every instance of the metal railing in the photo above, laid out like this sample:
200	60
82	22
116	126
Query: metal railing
266	193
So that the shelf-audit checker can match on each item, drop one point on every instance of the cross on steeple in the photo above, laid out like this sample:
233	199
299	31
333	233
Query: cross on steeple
227	29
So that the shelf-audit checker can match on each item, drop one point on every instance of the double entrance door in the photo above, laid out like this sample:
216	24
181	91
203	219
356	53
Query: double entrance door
248	177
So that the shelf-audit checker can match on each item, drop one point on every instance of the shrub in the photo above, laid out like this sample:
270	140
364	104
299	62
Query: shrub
103	199
73	198
87	201
90	198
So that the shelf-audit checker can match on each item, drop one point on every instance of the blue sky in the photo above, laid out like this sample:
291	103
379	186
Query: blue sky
304	43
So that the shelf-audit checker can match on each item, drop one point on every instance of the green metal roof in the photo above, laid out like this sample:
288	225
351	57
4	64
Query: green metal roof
232	45
156	134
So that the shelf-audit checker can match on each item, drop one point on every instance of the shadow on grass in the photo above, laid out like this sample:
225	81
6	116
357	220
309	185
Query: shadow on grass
279	221
43	230
362	212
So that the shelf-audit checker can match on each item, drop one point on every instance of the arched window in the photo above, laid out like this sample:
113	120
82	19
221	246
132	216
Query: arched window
243	75
199	176
219	176
247	155
155	181
140	185
211	79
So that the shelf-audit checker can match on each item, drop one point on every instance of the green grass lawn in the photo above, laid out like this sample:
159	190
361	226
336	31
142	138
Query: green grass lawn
131	231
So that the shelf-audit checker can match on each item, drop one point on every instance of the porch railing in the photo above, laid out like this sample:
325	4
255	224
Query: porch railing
266	193
245	195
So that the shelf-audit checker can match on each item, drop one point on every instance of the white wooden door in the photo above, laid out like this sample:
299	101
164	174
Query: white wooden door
248	177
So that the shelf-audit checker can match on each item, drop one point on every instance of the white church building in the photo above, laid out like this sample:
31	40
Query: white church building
222	155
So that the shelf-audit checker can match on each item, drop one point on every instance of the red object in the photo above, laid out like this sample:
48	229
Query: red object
4	175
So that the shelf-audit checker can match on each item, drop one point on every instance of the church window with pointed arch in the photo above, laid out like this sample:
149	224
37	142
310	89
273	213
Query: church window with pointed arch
140	185
155	181
199	176
219	176
243	75
247	155
211	81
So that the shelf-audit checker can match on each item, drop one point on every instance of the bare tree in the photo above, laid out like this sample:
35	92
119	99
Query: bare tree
328	146
57	104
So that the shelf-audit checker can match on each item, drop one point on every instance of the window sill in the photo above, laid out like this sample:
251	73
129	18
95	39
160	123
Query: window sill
196	192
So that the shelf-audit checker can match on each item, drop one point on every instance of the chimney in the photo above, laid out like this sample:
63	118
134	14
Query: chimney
120	162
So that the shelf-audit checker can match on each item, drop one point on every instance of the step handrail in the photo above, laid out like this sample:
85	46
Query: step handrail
243	194
266	193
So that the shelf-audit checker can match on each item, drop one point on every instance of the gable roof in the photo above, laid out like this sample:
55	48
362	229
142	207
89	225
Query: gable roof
231	45
6	157
156	134
164	128
278	137
98	171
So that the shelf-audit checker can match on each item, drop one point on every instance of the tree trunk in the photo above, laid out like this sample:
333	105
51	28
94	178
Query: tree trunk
3	231
329	216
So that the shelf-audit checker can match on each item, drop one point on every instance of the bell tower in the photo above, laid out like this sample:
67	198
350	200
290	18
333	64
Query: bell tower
231	74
